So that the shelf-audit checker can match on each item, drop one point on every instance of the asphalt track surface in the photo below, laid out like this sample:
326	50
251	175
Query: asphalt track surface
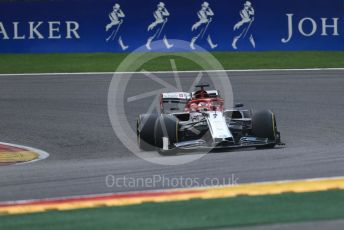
67	116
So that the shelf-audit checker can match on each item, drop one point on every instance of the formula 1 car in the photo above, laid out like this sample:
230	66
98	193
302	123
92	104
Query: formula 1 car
198	120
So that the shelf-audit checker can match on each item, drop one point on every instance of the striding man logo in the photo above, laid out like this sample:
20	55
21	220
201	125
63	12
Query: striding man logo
156	28
243	27
200	28
116	20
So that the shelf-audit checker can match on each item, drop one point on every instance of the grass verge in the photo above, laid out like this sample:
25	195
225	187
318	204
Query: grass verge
108	62
194	214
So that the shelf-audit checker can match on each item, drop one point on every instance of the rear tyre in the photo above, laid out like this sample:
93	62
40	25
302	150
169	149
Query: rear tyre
264	126
166	126
145	131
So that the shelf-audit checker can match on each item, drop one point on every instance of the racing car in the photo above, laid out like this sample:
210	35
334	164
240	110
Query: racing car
198	120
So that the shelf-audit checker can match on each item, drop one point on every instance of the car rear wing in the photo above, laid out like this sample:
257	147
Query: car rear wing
174	102
176	95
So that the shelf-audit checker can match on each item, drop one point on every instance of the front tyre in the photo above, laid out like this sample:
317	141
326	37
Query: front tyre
145	131
166	126
264	126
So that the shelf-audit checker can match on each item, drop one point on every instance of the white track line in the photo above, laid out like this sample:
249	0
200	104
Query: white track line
186	71
41	154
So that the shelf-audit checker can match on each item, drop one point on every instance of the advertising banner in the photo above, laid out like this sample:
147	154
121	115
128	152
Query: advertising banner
76	26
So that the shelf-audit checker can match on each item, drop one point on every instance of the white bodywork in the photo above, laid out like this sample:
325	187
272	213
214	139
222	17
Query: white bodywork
218	126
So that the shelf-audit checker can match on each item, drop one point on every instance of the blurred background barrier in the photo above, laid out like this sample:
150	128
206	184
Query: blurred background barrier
70	26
